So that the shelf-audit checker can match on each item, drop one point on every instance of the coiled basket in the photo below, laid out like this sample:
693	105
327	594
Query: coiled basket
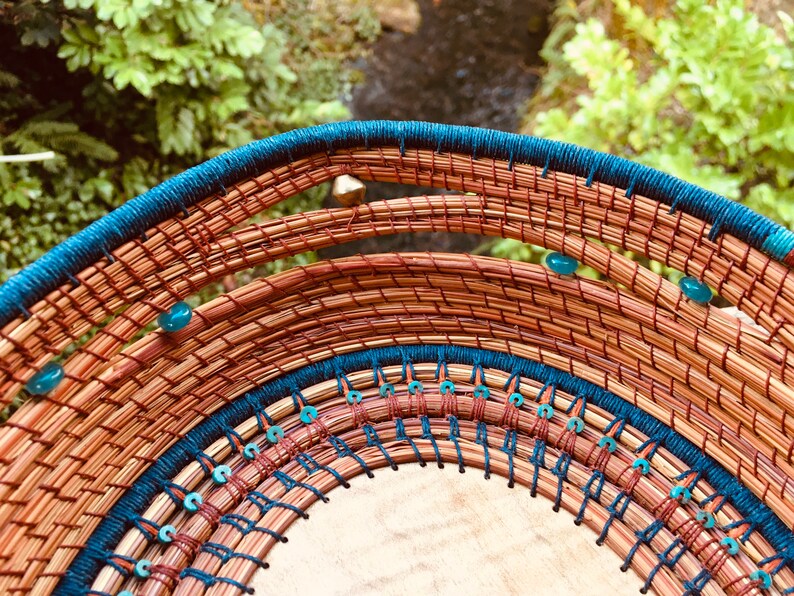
170	458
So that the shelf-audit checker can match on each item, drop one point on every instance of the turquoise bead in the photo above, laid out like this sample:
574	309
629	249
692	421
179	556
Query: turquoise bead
386	389
763	576
275	434
414	387
482	392
220	474
177	318
166	534
250	451
545	411
142	568
641	464
706	518
354	397
516	399
192	502
730	544
447	387
575	424
308	414
680	493
559	263
46	379
609	443
695	290
125	593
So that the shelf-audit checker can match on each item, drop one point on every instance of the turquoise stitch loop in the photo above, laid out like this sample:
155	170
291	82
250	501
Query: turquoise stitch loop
642	464
275	433
562	264
221	474
308	414
415	387
730	544
46	379
681	494
386	389
354	396
575	424
482	392
192	502
706	518
695	290
609	443
447	387
545	411
766	579
166	534
516	399
176	318
250	451
142	568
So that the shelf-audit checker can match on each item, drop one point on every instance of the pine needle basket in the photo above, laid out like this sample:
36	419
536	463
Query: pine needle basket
172	459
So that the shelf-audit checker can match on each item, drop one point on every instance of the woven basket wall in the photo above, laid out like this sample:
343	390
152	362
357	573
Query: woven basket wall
172	458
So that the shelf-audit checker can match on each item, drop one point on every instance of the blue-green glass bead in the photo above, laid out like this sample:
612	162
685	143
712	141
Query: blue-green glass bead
308	414
125	593
354	397
545	411
192	502
386	389
447	387
575	424
177	318
706	518
166	534
482	392
642	464
221	474
680	493
415	387
275	433
763	576
609	443
516	399
46	379
559	263
142	568
695	290
250	451
730	544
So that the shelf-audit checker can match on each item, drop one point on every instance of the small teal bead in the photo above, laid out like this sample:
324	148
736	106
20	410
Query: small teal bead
730	544
641	464
221	474
192	502
575	424
125	593
177	318
308	414
142	568
354	397
482	392
386	389
609	443
766	579
415	387
447	387
250	451
680	493
545	411
275	434
706	518
559	263
166	534
516	399
695	290
46	379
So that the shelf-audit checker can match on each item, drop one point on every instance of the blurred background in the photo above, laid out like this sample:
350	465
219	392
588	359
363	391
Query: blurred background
127	93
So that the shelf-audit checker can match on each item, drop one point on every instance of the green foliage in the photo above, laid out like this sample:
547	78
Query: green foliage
130	92
706	94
